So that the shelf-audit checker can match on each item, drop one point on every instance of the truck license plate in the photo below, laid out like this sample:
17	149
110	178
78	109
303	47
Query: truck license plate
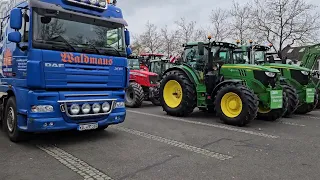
85	127
276	99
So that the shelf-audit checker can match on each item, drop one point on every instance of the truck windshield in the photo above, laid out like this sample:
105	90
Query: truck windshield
63	31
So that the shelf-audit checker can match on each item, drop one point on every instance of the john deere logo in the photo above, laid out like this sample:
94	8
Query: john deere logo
84	59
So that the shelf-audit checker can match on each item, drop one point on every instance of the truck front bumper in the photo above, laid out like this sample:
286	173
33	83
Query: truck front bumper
59	124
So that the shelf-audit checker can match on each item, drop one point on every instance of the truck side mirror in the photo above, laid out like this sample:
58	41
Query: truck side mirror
127	37
201	48
14	37
129	51
16	19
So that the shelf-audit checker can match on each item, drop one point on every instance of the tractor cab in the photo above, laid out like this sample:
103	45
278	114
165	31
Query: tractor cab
159	66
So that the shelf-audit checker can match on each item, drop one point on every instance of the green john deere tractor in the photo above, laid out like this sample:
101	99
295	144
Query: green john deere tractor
208	78
296	80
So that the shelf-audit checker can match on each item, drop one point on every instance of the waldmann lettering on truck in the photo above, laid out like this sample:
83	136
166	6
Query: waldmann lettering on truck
85	59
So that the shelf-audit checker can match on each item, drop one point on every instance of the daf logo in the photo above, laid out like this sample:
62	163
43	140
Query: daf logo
55	65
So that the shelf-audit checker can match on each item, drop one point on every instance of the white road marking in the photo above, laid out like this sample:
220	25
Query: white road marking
175	143
291	124
210	125
75	164
308	117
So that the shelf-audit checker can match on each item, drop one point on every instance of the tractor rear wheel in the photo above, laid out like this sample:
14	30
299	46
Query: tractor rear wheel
293	100
235	104
308	107
178	95
134	95
274	114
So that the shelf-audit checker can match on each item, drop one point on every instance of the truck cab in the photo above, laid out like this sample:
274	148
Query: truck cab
64	66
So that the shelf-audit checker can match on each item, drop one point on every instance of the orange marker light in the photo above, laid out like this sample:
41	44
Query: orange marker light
209	36
250	41
270	45
108	1
238	41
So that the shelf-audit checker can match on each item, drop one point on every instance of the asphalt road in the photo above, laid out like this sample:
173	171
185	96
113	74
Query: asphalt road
151	145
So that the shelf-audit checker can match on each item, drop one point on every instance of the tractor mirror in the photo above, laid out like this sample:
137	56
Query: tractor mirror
201	48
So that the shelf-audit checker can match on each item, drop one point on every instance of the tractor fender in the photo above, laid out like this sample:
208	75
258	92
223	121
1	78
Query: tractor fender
229	81
184	71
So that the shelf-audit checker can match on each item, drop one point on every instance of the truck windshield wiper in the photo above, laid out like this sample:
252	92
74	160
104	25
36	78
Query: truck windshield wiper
93	47
63	40
114	49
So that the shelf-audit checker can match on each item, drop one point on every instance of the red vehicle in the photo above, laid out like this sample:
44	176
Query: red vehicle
142	84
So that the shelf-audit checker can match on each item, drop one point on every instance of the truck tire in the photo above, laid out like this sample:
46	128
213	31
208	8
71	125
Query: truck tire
155	96
274	114
178	95
134	95
308	107
235	104
10	122
293	100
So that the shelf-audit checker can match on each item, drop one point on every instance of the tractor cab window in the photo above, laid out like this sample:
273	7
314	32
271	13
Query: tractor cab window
222	54
259	56
134	64
240	57
156	66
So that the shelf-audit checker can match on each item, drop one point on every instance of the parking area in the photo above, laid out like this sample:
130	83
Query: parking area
152	145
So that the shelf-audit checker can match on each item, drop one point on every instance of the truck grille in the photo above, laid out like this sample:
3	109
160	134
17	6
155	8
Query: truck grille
298	76
84	76
264	79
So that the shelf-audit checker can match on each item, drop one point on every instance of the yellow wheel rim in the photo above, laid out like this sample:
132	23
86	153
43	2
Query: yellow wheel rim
172	94
264	110
231	105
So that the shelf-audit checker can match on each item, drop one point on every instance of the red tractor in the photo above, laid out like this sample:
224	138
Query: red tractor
142	84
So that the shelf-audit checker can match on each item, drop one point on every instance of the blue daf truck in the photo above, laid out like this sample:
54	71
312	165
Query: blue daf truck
63	66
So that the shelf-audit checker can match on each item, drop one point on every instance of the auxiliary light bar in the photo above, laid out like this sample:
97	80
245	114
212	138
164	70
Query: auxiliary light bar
100	4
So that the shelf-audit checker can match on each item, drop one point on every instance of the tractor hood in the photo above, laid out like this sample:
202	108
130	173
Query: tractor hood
286	66
251	66
142	73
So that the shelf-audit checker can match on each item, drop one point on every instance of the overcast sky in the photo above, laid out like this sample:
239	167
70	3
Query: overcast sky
161	12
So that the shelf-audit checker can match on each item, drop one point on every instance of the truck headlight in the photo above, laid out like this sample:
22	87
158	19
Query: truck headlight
75	109
106	107
85	108
102	3
270	74
96	108
120	105
41	108
305	73
93	1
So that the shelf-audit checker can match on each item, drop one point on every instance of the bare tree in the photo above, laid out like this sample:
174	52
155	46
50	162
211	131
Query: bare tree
240	21
151	38
186	30
285	22
220	25
137	46
169	40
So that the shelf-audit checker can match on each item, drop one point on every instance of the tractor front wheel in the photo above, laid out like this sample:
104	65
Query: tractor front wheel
235	104
293	100
154	96
134	95
308	107
177	94
274	114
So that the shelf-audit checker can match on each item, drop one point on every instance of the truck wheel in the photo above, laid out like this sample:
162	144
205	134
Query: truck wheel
134	95
10	122
178	95
274	114
235	104
293	100
308	107
155	96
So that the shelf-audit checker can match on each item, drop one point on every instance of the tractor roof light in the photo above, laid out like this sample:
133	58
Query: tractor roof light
250	41
238	41
209	37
